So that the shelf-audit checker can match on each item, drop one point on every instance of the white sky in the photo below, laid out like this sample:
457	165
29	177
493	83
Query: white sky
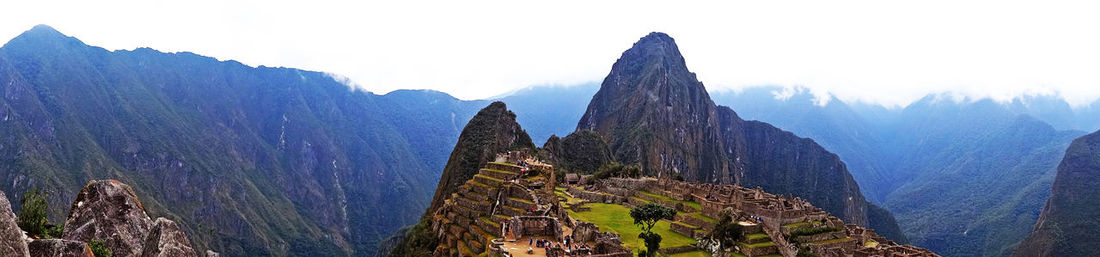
888	52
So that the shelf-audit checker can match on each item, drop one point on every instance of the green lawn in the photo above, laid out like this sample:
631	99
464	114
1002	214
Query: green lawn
616	218
692	254
756	236
795	225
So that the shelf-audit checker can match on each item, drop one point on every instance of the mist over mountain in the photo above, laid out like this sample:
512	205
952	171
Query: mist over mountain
963	178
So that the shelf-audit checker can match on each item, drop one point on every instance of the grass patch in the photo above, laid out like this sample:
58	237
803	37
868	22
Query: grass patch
616	218
704	217
692	254
761	244
501	171
795	225
833	241
756	236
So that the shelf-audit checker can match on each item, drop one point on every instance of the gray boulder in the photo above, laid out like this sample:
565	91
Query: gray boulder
166	239
110	211
13	243
59	248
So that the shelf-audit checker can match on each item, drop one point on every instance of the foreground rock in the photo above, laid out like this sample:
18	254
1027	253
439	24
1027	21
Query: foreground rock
59	248
12	241
166	240
110	211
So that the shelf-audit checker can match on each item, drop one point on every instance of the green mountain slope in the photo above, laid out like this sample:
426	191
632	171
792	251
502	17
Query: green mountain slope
255	161
1068	223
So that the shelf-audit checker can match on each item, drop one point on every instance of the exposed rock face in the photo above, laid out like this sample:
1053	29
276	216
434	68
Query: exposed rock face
110	211
492	131
12	241
583	151
653	111
59	248
1068	224
166	240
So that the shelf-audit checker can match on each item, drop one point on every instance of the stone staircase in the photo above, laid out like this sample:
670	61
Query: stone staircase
475	212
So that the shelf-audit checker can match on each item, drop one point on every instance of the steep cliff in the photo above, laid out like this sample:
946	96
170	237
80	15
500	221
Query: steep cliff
583	152
654	112
1068	223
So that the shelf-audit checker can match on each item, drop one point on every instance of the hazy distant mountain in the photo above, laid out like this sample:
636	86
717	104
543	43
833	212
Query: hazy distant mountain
653	112
963	178
1068	223
550	110
253	161
835	126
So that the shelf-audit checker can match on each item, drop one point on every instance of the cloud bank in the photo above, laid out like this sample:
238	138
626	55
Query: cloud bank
882	52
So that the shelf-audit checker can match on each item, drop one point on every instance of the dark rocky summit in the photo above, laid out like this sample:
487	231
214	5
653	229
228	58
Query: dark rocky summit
652	111
492	131
59	248
580	152
13	243
1068	223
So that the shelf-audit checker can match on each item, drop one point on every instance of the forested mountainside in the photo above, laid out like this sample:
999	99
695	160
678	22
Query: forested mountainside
1068	223
652	111
990	164
267	161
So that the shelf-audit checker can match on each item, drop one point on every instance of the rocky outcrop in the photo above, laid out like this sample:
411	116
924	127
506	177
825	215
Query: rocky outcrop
652	111
492	131
582	152
13	242
1068	223
166	240
59	248
108	210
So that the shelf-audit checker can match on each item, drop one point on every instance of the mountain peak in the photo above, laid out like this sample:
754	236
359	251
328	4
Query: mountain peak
654	49
41	35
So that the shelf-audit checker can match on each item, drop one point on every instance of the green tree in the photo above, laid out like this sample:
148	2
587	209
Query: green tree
32	213
726	231
98	249
646	217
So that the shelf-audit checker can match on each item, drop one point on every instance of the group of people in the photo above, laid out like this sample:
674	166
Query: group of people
757	219
547	244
